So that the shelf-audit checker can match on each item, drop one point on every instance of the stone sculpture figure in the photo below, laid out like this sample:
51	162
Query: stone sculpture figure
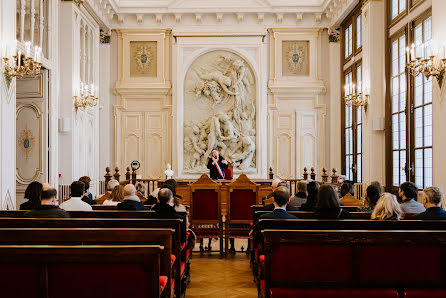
228	123
244	158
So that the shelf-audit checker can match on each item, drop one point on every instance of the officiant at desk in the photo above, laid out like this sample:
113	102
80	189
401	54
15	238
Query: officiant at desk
216	165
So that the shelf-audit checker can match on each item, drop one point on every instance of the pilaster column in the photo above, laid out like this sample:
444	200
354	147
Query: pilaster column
374	80
439	101
7	114
334	106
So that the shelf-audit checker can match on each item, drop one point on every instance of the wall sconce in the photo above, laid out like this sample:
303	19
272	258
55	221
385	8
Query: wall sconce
426	61
86	96
354	96
16	64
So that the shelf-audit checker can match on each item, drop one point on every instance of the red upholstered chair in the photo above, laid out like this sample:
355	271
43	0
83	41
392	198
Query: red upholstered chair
205	209
241	195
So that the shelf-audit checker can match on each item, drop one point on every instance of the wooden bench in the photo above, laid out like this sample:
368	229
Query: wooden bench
309	215
110	223
90	214
83	236
363	263
80	271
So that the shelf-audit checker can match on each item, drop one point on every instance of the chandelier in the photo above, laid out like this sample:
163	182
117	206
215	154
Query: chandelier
16	64
354	96
86	96
423	60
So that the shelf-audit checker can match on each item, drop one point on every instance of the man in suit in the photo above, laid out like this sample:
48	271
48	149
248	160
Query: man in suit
408	192
274	185
432	201
165	209
288	207
281	198
216	165
47	208
131	200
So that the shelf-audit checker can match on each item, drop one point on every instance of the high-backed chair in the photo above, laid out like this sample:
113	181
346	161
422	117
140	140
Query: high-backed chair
241	195
205	209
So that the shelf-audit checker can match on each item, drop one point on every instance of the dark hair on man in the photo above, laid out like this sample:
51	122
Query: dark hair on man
48	194
327	197
172	185
77	189
164	195
281	195
346	188
373	192
409	189
86	180
33	191
302	186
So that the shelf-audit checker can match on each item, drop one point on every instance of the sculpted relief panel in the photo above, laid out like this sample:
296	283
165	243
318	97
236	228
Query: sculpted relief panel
219	112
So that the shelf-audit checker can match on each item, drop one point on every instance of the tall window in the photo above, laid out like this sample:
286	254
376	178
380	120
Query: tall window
348	34
399	97
359	31
411	110
398	7
422	111
349	146
352	115
358	129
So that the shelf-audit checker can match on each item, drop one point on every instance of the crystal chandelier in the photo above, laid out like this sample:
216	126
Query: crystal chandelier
16	64
86	96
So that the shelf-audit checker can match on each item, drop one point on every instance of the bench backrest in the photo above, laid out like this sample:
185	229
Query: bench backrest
309	215
80	271
355	258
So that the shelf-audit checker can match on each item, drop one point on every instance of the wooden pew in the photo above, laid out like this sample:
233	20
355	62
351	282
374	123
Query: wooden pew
309	215
108	223
80	271
340	263
89	214
82	236
260	208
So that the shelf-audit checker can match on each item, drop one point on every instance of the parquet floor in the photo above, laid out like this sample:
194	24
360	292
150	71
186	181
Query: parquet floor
221	278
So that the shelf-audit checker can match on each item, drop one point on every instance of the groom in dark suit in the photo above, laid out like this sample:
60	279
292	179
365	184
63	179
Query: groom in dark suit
281	198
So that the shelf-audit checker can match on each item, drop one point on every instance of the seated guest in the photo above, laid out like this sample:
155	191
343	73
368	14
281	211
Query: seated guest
141	191
327	206
88	197
75	202
32	194
432	202
347	198
408	192
172	185
165	209
47	208
274	185
312	190
376	183
152	199
131	200
301	196
387	208
116	196
373	192
281	196
110	186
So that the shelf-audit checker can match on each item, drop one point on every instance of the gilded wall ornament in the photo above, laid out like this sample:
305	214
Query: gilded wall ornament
295	58
26	142
143	58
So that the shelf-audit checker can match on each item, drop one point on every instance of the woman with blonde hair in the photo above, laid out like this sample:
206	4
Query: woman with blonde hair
387	208
116	196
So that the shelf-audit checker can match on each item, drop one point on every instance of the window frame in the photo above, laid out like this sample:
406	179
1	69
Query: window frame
400	16
408	29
